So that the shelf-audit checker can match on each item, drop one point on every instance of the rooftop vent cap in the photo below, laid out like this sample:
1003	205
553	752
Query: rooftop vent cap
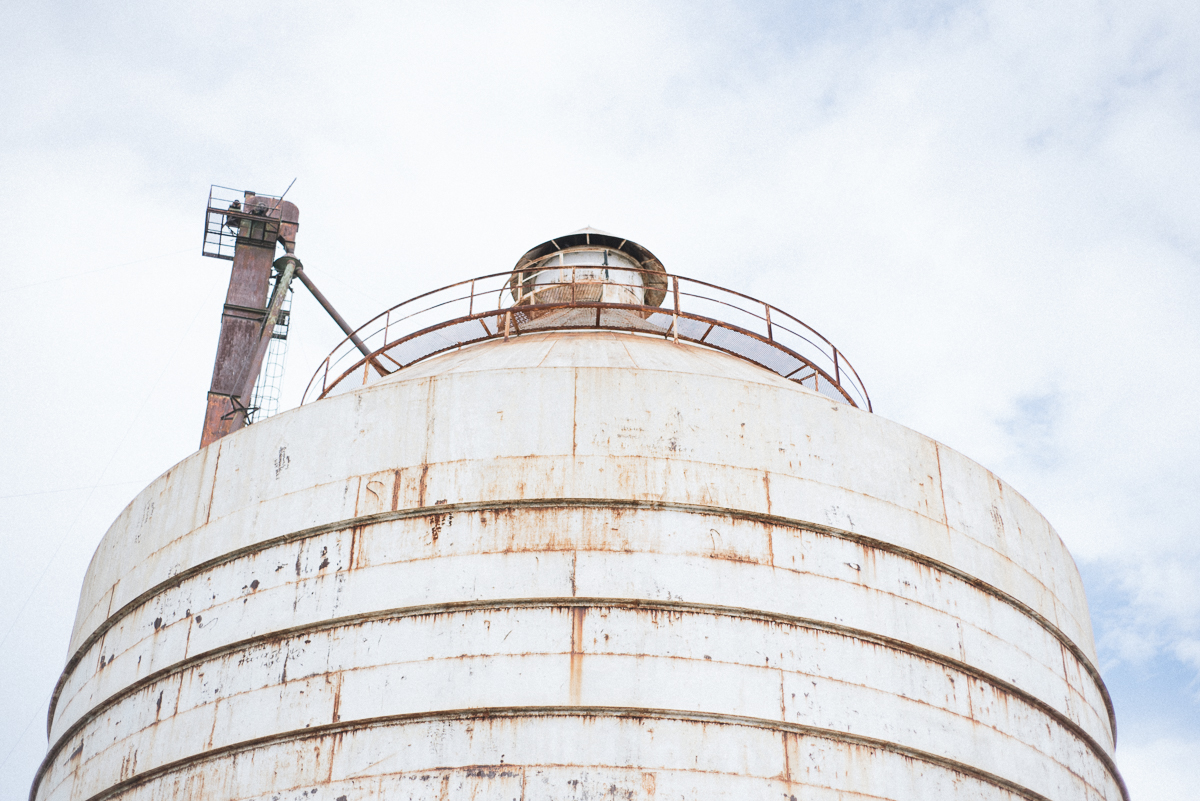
589	256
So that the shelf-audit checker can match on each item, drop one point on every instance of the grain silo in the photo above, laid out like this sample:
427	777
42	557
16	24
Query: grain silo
580	529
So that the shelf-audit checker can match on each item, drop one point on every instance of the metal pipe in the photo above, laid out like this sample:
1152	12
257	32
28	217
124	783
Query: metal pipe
290	266
337	318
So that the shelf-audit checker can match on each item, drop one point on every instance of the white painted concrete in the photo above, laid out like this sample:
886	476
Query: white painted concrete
752	588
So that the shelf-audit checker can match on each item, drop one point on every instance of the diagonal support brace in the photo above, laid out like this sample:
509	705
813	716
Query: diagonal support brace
287	267
341	321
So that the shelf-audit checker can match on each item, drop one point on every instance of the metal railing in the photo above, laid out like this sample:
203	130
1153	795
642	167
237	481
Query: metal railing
498	306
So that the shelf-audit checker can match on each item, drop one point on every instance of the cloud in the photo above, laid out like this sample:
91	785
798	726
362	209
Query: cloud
1161	769
991	207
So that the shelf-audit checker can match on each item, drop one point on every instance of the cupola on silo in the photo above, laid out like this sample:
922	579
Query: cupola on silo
580	529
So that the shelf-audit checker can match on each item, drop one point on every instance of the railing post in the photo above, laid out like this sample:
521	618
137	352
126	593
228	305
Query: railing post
675	318
512	327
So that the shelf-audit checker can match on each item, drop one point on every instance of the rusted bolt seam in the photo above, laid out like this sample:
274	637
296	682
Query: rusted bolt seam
575	602
568	711
545	503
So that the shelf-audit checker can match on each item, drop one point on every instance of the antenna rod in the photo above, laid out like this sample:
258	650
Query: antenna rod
281	197
337	318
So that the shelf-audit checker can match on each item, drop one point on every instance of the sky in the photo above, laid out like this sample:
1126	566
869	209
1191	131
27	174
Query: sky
990	207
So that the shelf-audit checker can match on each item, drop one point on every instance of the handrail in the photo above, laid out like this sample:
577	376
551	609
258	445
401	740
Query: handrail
459	314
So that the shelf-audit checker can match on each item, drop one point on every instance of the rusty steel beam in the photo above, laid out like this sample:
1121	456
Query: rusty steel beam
340	320
262	223
288	265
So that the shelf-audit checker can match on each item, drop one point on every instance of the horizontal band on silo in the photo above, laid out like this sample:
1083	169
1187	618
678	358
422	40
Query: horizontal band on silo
422	512
490	716
274	642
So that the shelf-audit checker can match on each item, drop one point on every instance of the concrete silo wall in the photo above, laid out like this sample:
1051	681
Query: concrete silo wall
580	566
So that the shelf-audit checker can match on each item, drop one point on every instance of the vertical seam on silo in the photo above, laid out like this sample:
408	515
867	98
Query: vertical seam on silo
937	452
770	529
1068	702
542	361
575	678
337	698
429	420
421	486
970	681
216	714
630	355
212	491
782	698
332	756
